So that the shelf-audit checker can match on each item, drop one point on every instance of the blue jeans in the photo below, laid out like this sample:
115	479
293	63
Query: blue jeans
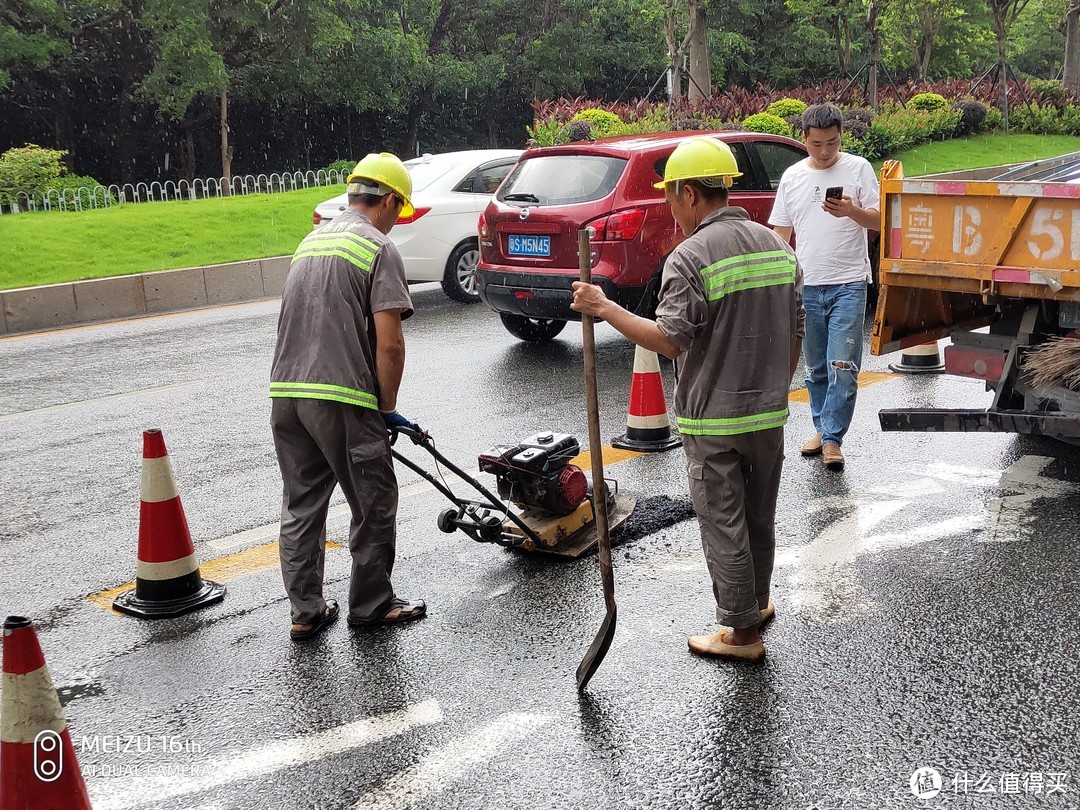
832	350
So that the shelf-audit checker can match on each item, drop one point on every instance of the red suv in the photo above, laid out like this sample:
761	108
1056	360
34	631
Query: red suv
528	233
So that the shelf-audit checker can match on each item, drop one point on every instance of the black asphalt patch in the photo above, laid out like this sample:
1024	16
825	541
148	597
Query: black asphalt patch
652	514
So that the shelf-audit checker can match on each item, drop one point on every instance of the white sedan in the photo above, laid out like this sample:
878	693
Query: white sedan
450	191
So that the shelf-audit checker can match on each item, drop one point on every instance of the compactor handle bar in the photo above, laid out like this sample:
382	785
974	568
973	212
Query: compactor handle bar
424	440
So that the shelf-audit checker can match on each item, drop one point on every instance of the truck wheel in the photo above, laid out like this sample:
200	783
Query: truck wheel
532	330
459	280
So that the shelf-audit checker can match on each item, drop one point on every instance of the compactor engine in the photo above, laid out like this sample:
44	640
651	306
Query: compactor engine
536	473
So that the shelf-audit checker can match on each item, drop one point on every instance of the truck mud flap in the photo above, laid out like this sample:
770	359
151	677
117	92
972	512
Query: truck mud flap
959	420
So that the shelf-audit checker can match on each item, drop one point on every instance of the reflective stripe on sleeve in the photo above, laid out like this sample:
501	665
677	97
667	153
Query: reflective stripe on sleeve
748	271
731	426
334	393
355	249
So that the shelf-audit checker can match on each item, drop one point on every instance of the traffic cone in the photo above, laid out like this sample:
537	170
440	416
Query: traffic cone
167	579
922	359
648	428
38	770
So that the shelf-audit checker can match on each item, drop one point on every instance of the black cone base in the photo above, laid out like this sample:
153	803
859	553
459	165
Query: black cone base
647	440
919	364
129	602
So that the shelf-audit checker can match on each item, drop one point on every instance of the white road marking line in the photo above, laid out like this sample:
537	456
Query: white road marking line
1024	482
450	763
270	532
923	534
116	794
910	489
823	575
971	476
111	398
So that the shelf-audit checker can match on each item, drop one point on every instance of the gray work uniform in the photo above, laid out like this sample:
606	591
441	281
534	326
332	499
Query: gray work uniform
325	413
731	300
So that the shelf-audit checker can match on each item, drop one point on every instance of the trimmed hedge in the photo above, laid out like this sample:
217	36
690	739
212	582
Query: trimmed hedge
767	122
933	111
787	107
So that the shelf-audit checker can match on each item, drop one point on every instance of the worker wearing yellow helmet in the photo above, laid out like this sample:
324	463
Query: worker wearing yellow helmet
730	315
380	174
334	383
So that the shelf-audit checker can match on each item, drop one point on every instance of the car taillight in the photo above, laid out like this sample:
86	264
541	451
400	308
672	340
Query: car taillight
315	218
620	226
481	226
416	214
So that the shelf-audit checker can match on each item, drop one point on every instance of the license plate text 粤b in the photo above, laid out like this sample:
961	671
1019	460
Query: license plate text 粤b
520	245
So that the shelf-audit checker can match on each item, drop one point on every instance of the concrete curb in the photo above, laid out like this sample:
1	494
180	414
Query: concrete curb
32	309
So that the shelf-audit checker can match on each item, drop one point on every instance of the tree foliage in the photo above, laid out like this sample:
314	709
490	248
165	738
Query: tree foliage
145	89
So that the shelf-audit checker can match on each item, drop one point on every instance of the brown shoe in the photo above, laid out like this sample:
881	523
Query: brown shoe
714	645
832	456
812	447
767	615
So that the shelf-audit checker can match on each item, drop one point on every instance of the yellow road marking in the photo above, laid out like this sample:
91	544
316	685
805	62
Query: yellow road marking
866	378
221	569
610	455
260	558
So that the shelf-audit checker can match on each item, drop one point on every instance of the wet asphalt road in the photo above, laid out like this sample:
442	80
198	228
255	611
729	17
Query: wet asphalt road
926	600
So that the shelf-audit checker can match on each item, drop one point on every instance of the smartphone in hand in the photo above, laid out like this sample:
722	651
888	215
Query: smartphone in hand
834	193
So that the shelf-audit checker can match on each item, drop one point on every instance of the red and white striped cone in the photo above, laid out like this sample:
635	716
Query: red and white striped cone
922	359
38	770
167	580
648	428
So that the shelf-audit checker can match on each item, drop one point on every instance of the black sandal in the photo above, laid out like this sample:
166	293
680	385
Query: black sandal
407	612
328	617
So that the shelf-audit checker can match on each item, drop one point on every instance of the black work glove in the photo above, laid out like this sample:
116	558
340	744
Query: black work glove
394	420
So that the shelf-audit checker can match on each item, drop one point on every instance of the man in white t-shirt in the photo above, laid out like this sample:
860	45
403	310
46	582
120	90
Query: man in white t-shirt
829	200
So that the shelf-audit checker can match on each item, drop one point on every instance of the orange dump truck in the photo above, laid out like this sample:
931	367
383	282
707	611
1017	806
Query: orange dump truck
997	248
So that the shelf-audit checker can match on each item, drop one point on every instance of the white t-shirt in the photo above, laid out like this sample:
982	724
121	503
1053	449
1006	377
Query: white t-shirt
831	250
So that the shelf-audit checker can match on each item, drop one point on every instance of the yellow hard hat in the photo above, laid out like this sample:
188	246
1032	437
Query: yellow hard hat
700	158
389	175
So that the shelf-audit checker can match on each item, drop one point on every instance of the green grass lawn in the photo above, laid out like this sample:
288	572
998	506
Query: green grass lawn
46	248
51	247
982	150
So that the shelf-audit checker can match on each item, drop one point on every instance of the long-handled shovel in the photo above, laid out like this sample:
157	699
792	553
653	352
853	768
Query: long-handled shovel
596	652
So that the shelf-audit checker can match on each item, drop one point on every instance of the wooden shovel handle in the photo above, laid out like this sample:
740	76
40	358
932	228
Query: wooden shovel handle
600	502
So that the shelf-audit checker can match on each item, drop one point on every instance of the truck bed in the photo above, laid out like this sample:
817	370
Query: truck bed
954	246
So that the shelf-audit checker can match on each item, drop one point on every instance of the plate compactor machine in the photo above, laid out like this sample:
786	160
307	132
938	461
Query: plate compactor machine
544	502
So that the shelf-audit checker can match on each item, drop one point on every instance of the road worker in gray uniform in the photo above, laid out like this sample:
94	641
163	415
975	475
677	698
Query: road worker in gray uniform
730	316
334	383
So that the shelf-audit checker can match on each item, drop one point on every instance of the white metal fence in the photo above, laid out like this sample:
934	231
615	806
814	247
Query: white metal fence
85	198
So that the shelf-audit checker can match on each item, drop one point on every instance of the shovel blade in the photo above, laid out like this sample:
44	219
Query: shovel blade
597	650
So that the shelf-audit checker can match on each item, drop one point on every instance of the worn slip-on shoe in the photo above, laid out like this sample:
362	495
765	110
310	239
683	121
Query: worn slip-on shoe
398	611
831	455
714	645
767	615
812	447
328	617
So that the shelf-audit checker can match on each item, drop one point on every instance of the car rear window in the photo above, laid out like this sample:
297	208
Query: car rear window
424	174
562	179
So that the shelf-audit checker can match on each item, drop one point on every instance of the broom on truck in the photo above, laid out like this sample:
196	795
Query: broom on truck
1055	363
